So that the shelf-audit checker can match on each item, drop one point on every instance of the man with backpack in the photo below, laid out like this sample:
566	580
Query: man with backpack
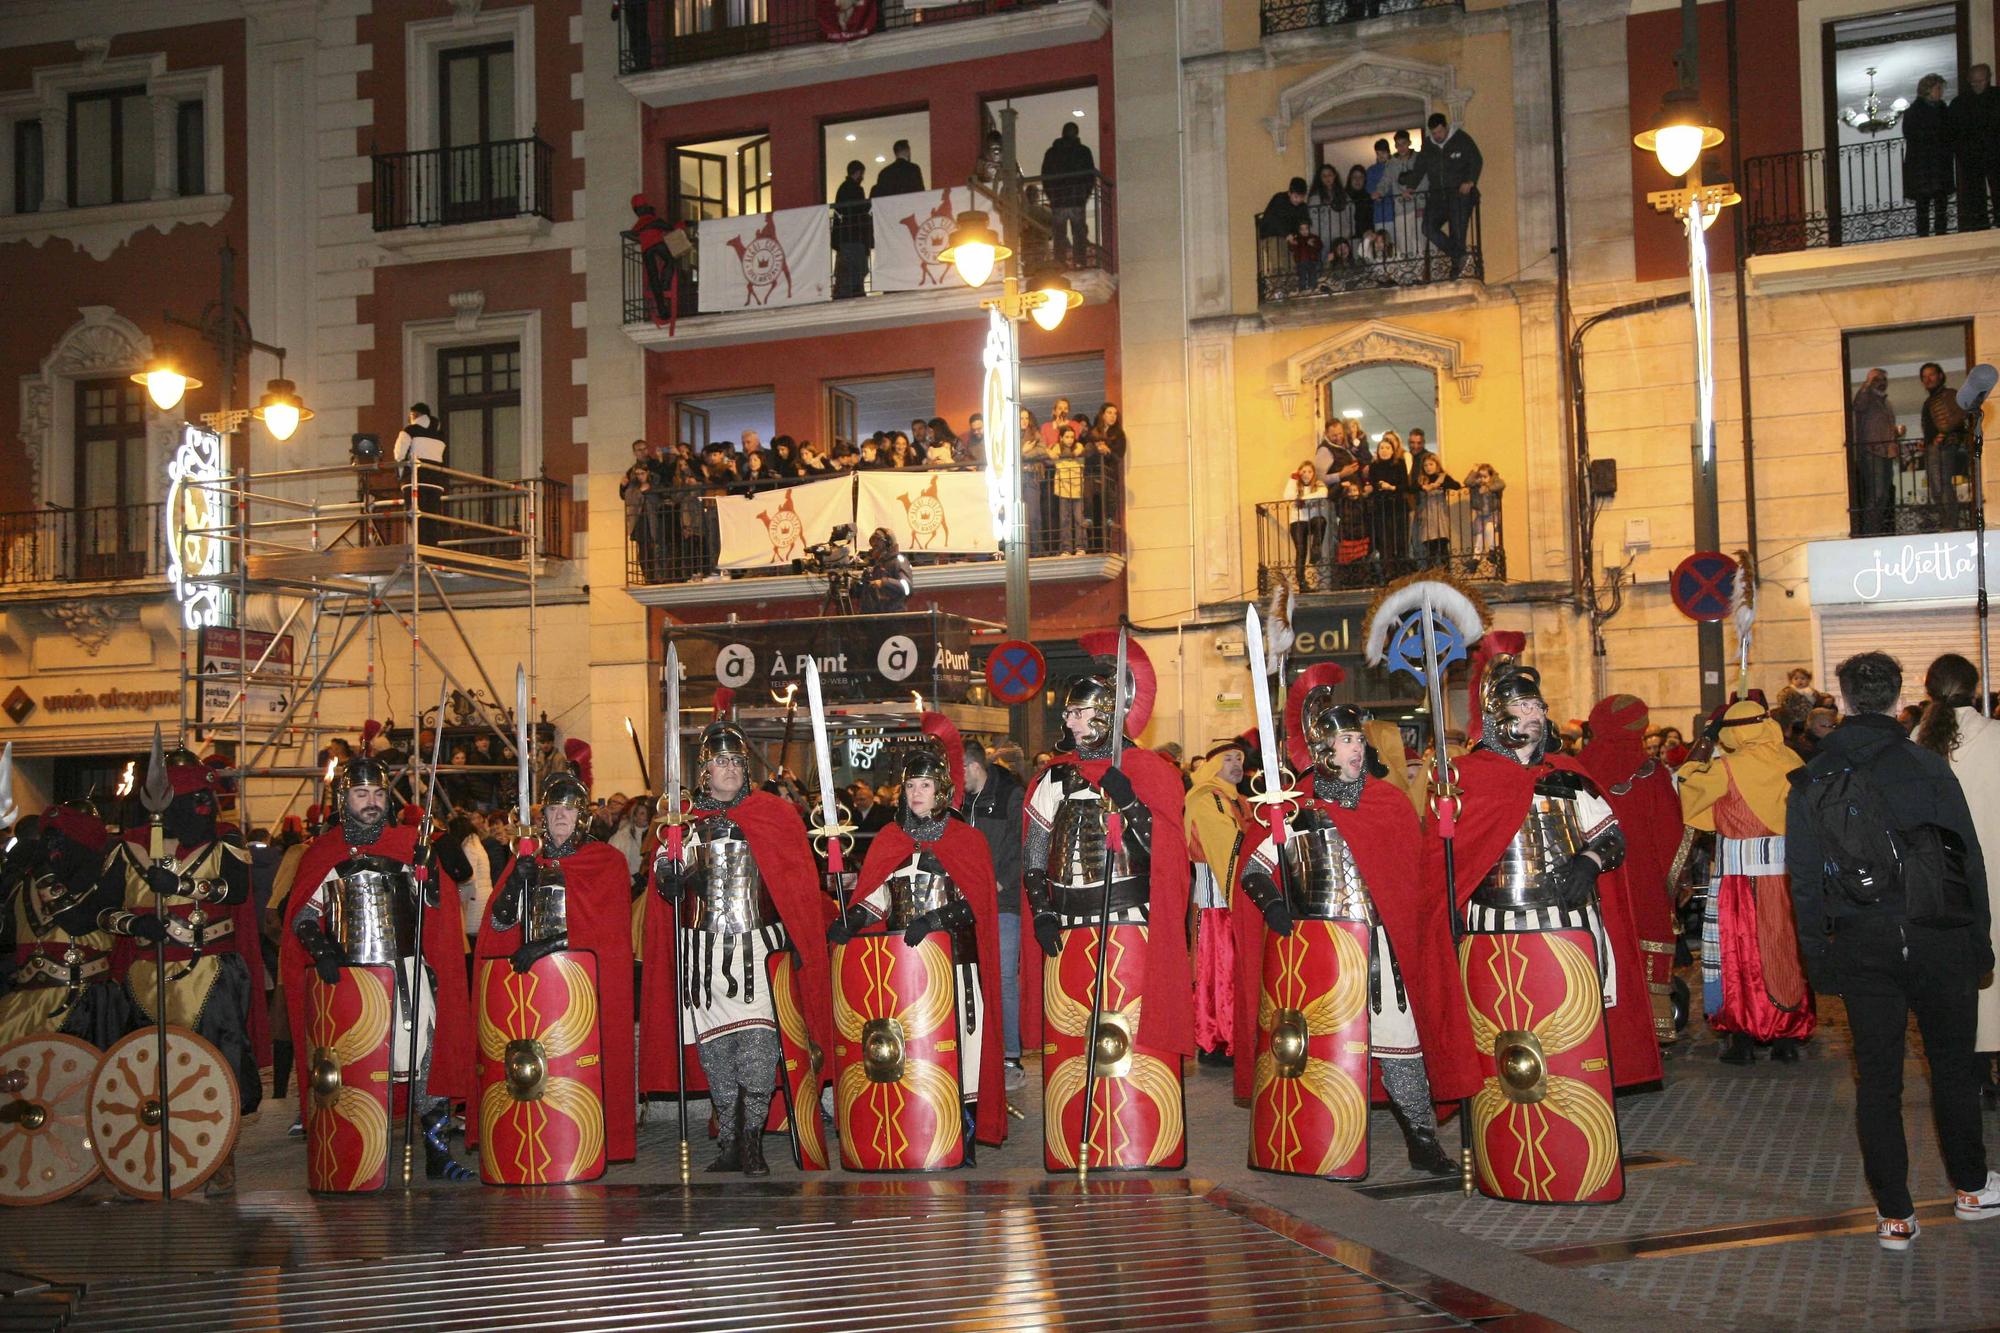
1889	889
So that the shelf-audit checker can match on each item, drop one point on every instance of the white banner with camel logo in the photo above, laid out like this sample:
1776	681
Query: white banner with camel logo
775	527
910	230
766	259
927	511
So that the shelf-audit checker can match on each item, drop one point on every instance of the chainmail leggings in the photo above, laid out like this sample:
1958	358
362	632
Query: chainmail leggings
742	1070
1409	1089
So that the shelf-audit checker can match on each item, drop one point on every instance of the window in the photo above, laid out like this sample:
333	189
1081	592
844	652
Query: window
1039	119
872	143
480	406
1400	398
110	147
110	478
856	409
726	416
28	177
190	149
1933	494
719	178
753	176
475	118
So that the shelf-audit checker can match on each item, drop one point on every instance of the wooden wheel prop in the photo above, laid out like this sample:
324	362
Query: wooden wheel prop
45	1151
125	1116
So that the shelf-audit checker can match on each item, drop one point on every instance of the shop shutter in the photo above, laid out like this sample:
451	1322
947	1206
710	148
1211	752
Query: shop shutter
1913	635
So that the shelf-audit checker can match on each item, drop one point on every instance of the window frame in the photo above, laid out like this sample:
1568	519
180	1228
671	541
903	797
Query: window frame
117	95
484	401
20	139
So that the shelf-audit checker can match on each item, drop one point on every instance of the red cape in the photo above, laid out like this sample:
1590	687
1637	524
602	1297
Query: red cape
966	858
1167	1021
444	950
1383	834
1494	799
1643	796
777	838
599	903
245	940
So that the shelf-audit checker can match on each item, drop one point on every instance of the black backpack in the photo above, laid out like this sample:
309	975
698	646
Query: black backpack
1861	856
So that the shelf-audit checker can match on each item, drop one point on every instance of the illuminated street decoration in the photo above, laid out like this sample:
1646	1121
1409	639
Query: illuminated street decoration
1003	421
194	517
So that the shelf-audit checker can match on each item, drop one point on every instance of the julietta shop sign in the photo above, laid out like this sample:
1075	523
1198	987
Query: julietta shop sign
1871	570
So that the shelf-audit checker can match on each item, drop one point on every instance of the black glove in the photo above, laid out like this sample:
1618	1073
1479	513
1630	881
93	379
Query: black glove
1576	883
326	955
1048	934
1264	893
1117	786
921	925
163	879
527	955
841	929
670	881
148	928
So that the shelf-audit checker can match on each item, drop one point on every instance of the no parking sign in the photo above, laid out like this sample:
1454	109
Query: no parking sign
1016	672
1702	585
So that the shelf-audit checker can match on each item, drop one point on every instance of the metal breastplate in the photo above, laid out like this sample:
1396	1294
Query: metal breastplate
1077	847
1321	878
729	897
915	892
1550	835
545	904
372	914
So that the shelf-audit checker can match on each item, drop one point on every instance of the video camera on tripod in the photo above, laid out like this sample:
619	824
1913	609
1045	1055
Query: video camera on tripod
835	561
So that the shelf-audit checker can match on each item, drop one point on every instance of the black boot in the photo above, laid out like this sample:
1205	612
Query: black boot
753	1151
281	1068
730	1157
1736	1049
439	1164
1785	1051
1427	1154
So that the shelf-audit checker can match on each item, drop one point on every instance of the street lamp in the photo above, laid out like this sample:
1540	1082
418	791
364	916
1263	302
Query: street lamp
225	328
280	409
165	384
974	248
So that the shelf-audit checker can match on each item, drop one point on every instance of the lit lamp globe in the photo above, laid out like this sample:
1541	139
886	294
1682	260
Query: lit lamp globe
165	385
1680	135
1056	299
280	409
974	248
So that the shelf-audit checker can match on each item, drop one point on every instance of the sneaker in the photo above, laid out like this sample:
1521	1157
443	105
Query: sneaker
1984	1202
298	1129
1017	1075
1896	1233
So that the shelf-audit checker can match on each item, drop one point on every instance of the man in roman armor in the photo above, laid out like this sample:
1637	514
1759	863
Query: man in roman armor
1356	965
58	973
751	939
569	898
1535	845
1077	882
916	960
350	942
196	901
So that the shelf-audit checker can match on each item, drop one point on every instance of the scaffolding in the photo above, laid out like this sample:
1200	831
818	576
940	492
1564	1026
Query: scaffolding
358	562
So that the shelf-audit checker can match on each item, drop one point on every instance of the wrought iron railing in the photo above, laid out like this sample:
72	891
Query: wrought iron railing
52	545
435	187
1070	223
469	514
1364	542
660	34
1298	15
1813	198
675	538
1358	252
1919	488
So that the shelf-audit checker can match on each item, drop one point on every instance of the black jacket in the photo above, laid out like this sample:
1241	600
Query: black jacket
996	812
1975	126
899	177
1446	165
1067	173
1282	217
1927	150
1917	786
852	223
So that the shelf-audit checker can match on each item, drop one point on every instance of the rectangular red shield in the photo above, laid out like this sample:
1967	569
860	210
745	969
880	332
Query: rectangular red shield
1309	1104
541	1071
348	1057
801	1076
898	1085
1139	1120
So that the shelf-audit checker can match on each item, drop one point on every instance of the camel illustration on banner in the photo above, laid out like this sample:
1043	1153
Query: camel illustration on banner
930	233
785	531
764	262
927	516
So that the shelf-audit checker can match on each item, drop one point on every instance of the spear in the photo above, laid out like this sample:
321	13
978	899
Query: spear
674	821
420	877
1114	837
156	796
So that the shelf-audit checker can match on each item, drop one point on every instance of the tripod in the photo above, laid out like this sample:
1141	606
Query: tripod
839	600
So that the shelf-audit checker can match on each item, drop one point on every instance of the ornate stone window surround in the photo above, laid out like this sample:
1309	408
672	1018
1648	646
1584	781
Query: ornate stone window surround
473	325
101	229
1361	76
466	26
1375	343
102	344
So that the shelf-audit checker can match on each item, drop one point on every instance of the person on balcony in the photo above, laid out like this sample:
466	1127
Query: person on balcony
1927	145
1068	485
1485	485
1379	181
853	234
1975	135
1388	505
1944	445
1327	203
1451	163
1434	487
421	442
1307	499
901	176
1306	248
1875	443
642	489
1069	176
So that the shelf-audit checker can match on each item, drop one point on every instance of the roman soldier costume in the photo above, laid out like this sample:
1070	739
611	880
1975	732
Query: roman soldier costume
348	962
1146	1027
557	1087
1356	965
750	923
59	975
196	901
1536	844
1648	810
916	999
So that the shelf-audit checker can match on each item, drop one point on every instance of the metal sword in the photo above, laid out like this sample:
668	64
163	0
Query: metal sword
419	878
830	830
1114	838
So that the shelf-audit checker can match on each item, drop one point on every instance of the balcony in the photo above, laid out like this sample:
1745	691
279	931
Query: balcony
487	198
475	518
675	52
1918	492
1817	219
112	544
1378	260
659	315
671	552
1280	16
1347	546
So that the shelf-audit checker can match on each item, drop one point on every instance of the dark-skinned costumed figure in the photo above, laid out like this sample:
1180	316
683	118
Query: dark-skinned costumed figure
196	902
752	952
58	974
555	954
1146	1029
1536	847
348	958
916	985
1356	965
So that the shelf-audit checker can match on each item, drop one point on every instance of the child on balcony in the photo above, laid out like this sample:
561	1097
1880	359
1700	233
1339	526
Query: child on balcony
1306	251
1485	485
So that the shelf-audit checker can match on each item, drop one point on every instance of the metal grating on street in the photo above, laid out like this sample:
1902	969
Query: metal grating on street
825	1258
